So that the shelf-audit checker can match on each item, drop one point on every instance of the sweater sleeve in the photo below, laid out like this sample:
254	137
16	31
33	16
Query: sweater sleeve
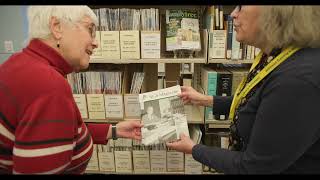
283	130
45	135
98	132
221	104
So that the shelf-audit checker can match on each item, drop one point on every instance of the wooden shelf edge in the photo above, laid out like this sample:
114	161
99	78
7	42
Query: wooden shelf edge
218	124
193	117
161	60
141	173
231	61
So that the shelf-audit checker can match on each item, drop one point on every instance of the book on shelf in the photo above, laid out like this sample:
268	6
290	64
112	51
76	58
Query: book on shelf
229	35
210	18
224	88
221	20
217	17
209	85
237	75
217	44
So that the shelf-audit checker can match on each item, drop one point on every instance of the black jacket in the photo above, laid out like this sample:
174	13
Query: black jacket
279	124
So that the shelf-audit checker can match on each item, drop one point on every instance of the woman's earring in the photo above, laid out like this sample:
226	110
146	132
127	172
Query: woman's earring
58	44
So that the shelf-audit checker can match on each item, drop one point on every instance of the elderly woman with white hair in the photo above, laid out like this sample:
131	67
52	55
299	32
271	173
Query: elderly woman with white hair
41	130
275	124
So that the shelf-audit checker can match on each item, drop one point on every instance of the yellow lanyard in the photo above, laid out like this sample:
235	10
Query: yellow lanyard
238	96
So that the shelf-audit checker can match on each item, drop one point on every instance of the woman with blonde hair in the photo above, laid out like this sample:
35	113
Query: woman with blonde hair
41	130
275	126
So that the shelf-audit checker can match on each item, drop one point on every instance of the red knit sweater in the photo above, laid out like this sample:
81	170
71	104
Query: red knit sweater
41	130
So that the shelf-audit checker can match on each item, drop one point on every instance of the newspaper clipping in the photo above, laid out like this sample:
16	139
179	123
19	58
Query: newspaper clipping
163	116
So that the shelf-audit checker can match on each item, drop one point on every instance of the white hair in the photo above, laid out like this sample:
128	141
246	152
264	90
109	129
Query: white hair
39	18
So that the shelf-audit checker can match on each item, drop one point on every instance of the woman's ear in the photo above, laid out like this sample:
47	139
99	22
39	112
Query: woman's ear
55	28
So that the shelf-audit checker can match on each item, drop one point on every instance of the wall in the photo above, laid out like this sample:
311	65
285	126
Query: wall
13	20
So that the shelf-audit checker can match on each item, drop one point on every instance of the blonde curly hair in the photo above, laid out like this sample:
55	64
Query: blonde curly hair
282	26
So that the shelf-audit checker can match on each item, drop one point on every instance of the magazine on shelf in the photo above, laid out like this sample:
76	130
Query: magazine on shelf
182	30
163	116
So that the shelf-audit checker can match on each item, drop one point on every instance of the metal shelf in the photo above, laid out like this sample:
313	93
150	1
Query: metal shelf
218	124
193	117
112	121
162	60
231	61
142	173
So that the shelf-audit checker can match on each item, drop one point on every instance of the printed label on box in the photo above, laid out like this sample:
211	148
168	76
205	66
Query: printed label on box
158	160
175	161
81	102
96	106
141	161
97	52
114	106
191	165
132	106
150	44
110	44
123	161
106	161
130	44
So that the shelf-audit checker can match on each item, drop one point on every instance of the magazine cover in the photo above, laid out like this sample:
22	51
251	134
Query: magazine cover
163	116
182	30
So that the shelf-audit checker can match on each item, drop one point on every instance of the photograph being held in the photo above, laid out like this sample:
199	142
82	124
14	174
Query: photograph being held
150	119
275	125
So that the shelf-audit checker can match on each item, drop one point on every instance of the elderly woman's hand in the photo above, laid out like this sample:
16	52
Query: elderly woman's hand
185	144
129	129
191	96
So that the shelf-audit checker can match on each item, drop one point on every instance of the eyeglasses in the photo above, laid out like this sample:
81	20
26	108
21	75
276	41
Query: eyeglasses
91	29
238	8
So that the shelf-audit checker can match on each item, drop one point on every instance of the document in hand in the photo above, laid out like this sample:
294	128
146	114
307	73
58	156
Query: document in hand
163	116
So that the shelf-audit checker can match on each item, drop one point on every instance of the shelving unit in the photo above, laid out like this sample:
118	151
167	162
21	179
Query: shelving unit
146	173
134	173
193	117
218	124
230	61
164	60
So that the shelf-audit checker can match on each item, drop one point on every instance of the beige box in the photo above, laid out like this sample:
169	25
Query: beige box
123	161
175	161
158	160
132	106
114	106
110	44
192	166
97	52
123	142
96	107
93	164
130	44
106	159
141	160
150	44
81	102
